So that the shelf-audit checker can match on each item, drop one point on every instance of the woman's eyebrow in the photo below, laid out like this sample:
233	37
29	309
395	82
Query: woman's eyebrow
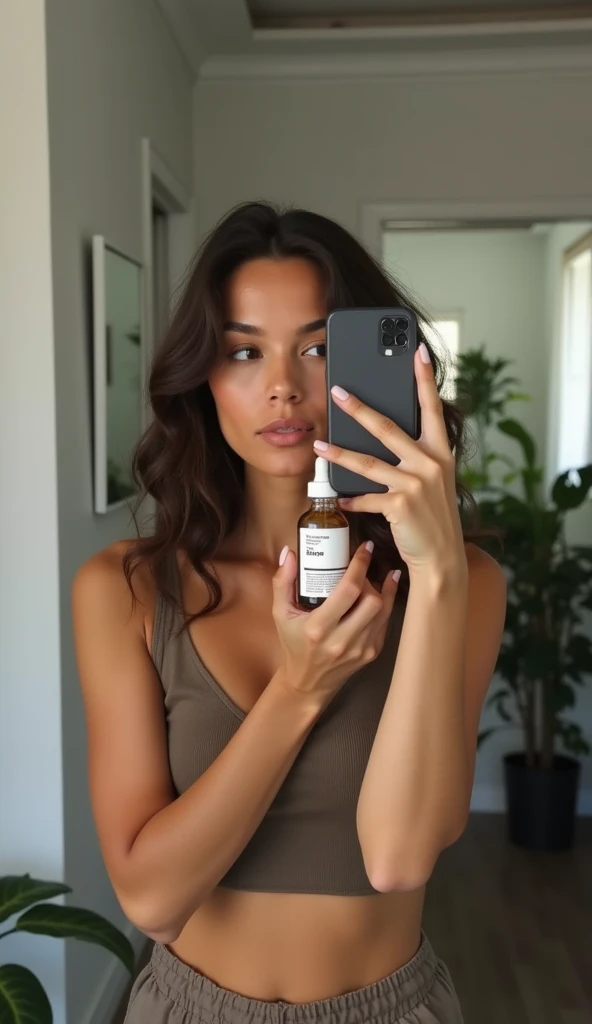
235	325
314	325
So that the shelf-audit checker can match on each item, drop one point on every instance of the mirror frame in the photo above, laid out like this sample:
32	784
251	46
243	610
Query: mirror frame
99	248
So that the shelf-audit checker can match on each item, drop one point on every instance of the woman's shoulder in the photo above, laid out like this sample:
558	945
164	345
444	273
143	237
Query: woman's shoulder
102	579
482	563
487	579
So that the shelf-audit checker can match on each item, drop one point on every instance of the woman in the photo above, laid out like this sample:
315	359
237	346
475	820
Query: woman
272	787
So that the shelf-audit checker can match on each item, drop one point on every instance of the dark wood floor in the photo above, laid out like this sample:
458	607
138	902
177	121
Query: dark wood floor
514	927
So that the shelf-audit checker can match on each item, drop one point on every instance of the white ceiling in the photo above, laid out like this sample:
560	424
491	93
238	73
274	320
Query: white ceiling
222	37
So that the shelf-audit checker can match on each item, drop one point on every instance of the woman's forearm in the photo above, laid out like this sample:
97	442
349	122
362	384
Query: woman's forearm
183	851
414	797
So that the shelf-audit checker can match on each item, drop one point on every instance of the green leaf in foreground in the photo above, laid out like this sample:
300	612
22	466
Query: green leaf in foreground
22	997
76	923
17	892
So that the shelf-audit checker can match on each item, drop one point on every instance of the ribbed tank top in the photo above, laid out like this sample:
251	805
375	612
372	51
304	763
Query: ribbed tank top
307	842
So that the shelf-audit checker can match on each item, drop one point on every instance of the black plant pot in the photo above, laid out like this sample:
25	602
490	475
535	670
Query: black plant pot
541	802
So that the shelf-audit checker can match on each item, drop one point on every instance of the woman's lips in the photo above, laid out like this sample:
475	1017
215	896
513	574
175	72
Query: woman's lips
286	439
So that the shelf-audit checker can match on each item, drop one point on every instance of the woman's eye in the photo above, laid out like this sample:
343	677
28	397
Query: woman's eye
243	354
249	352
321	345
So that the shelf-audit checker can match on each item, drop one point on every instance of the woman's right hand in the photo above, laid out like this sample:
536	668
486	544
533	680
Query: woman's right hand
324	647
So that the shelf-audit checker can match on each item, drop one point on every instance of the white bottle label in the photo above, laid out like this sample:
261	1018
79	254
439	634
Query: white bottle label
324	557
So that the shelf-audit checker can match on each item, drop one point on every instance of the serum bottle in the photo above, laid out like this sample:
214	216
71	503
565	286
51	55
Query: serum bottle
323	541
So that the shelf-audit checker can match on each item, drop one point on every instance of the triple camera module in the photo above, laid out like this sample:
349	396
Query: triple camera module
394	332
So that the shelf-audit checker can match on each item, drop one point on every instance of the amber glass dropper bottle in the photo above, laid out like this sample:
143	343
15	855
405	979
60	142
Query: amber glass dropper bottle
323	541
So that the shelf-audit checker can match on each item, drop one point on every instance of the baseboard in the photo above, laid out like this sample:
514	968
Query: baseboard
492	799
110	992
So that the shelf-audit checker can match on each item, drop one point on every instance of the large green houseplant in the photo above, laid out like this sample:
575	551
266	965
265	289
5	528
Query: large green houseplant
484	388
23	999
545	654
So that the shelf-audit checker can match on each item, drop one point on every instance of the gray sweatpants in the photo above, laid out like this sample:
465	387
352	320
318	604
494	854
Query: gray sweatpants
420	992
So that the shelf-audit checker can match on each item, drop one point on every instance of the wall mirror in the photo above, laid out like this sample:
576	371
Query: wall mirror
118	372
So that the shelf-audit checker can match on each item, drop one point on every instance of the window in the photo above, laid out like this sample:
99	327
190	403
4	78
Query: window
575	371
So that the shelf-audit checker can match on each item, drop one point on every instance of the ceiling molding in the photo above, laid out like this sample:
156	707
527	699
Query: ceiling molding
364	65
373	215
435	27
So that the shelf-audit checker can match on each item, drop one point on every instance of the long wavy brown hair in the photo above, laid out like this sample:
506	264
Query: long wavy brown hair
182	460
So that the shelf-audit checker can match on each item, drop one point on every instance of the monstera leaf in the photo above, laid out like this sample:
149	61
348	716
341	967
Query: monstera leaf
22	997
570	489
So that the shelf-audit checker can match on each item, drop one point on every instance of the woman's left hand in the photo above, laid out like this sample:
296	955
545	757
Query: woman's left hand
420	504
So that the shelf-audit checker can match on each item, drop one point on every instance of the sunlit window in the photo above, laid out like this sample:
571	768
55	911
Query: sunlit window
444	336
575	383
443	333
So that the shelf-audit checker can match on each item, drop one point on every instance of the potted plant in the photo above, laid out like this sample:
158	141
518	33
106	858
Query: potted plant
23	999
545	655
483	389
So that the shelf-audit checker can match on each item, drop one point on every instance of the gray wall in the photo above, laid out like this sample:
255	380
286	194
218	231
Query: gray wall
114	76
332	145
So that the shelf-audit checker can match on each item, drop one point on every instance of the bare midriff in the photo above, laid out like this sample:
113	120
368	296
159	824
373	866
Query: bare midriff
293	947
299	947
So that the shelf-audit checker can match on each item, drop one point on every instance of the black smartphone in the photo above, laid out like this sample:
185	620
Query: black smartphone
370	353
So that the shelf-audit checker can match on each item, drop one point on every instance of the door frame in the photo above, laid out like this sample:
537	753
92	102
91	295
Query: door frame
159	182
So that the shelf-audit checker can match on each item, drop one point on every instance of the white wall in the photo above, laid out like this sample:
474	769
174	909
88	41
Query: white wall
114	76
495	279
335	146
31	810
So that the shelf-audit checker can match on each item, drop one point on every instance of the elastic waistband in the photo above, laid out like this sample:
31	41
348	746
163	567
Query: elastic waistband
389	998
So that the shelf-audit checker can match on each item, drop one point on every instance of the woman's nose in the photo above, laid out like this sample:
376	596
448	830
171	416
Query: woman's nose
284	384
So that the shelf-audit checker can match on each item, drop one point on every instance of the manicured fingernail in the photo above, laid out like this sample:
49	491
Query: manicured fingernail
344	501
424	355
340	393
283	554
370	546
321	445
397	575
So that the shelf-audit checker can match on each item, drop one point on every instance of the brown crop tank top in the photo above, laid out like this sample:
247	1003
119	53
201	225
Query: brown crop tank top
307	842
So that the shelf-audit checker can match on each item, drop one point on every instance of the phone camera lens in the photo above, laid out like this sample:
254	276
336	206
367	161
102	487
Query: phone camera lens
388	325
400	340
402	323
387	339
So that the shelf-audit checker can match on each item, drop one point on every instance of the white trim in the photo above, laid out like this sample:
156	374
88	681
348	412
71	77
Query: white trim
158	180
373	215
522	60
175	195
